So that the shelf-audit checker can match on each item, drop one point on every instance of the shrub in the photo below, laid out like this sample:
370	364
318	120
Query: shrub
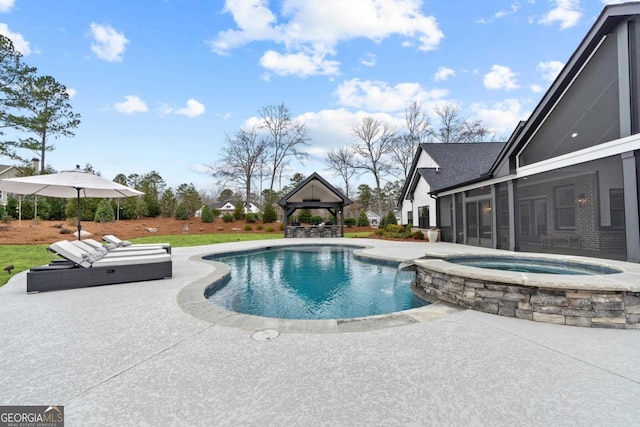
65	231
227	217
247	227
259	227
418	235
104	212
305	216
182	212
316	219
6	218
350	222
281	227
207	214
252	217
238	212
389	218
380	232
362	221
269	213
270	229
393	228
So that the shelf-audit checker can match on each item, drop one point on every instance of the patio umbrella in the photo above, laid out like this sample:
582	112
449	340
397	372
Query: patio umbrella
68	185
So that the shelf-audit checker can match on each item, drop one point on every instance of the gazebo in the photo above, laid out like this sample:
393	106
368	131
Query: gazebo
314	193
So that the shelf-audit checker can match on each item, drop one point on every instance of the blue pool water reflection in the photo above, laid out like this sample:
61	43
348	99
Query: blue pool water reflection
311	282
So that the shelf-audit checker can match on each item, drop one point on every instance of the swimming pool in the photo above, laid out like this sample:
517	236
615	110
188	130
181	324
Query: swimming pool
310	282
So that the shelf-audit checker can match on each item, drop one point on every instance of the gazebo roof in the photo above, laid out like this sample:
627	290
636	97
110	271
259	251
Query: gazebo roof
315	192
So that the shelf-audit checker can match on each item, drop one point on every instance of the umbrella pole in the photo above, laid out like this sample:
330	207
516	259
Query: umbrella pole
79	226
20	210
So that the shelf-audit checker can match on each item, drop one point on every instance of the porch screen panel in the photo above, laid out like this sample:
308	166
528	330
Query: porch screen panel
577	210
459	219
586	115
446	218
502	205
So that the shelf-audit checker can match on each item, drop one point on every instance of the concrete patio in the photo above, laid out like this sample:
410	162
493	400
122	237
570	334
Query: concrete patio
130	355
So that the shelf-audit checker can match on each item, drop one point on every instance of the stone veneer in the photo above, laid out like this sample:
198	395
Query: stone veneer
579	306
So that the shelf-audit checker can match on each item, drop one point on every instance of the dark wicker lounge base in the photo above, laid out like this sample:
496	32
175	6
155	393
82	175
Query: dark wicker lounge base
62	275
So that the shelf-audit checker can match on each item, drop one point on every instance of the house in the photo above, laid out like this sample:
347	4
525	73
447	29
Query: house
6	171
437	165
373	218
567	180
228	207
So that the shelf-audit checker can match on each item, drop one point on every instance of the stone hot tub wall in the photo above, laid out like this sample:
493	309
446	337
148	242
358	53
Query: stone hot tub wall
579	306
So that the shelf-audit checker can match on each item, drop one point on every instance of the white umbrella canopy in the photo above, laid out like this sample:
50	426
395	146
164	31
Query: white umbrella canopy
68	185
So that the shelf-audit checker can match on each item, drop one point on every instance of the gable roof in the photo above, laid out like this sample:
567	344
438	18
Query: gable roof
457	163
319	195
611	16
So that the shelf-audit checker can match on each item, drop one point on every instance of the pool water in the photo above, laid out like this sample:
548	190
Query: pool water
531	265
311	282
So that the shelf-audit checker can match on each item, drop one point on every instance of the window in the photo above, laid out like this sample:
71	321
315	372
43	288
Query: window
616	206
410	218
565	207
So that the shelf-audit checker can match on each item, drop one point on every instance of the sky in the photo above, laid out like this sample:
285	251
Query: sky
160	83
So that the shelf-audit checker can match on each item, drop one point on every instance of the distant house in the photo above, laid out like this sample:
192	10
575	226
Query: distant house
228	207
6	171
374	218
438	166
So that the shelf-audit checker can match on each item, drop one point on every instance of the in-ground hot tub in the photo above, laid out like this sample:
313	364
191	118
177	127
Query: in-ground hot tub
532	265
565	290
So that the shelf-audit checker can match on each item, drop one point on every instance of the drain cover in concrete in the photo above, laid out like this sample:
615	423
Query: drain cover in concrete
265	335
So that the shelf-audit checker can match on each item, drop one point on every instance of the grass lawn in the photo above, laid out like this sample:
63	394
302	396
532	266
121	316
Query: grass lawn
23	257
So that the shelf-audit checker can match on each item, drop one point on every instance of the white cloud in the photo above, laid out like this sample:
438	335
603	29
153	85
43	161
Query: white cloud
19	43
566	12
193	109
6	5
131	105
614	1
71	92
501	117
443	73
379	96
334	128
316	27
108	44
500	77
550	69
298	64
504	12
536	88
368	60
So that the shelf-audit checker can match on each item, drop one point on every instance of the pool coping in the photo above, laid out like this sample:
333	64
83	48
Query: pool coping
192	301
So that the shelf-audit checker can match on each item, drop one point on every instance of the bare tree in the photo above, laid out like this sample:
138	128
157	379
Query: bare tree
454	128
285	138
418	130
241	158
375	139
342	160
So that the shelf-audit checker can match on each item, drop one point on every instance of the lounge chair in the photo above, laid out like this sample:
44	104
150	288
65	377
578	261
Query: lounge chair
110	238
90	245
83	269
